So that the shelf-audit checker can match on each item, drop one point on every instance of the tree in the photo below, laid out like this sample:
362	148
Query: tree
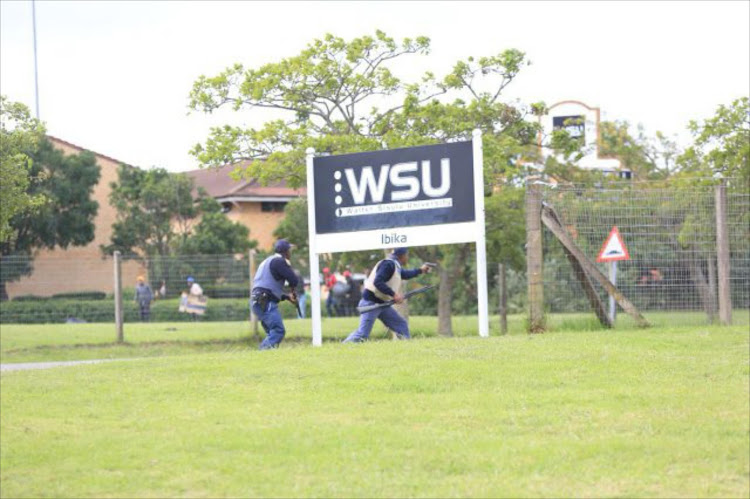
294	226
339	97
722	144
215	234
155	211
20	135
649	158
66	218
160	216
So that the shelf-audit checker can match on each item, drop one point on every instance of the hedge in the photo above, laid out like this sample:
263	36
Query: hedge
59	311
77	295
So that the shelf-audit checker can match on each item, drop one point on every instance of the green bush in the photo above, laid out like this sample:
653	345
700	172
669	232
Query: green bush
30	298
226	291
103	310
81	295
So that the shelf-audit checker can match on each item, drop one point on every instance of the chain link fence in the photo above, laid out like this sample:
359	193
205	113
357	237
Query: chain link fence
57	290
670	234
671	276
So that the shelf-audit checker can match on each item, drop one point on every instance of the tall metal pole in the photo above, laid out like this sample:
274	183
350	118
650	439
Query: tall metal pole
36	72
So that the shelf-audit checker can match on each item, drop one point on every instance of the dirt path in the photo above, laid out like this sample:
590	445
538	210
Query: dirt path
25	366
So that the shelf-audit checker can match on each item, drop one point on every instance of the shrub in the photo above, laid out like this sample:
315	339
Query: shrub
81	295
30	298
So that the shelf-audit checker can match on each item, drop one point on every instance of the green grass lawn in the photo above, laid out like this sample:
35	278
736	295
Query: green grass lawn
658	412
53	342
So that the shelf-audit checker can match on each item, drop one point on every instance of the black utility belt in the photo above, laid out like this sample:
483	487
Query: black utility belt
263	297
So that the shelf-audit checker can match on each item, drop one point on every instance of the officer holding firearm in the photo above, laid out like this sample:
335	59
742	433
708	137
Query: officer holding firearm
382	286
268	291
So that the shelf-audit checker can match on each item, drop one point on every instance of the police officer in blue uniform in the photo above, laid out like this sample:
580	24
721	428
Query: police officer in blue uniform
268	291
381	286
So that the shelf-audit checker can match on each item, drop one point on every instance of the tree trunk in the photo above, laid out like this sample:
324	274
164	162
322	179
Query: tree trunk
712	298
445	292
703	287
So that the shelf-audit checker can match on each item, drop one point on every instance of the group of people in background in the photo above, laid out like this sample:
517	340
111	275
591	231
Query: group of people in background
344	293
144	295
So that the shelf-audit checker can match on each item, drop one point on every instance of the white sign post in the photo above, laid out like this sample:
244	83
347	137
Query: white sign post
317	332
613	250
416	196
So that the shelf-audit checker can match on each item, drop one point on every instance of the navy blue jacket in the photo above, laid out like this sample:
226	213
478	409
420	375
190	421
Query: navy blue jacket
384	274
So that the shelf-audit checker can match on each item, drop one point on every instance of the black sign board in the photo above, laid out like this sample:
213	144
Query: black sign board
415	186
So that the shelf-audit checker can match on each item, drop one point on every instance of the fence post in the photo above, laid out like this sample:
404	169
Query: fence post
722	251
534	258
503	298
118	297
253	318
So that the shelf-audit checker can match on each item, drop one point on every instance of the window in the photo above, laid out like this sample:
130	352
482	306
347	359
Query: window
272	206
226	207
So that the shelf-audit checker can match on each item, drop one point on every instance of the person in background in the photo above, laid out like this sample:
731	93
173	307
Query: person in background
353	295
194	289
143	297
329	280
268	292
301	294
163	290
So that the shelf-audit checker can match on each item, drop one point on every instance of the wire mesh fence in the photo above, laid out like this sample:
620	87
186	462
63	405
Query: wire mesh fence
670	233
57	290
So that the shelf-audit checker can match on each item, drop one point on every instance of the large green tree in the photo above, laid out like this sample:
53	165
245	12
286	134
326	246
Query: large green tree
722	144
215	234
155	211
649	158
178	231
342	96
66	218
20	135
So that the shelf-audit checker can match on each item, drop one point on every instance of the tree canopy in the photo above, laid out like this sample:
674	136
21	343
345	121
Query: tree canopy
20	135
66	218
340	96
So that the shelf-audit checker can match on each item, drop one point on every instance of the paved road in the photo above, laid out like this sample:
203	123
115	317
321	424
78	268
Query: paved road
25	366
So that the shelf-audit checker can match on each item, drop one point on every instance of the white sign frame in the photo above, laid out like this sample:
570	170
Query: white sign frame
416	236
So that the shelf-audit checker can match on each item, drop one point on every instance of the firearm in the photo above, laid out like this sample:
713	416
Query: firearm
369	308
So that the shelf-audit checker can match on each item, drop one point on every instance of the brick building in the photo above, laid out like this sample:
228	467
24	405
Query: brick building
259	208
84	268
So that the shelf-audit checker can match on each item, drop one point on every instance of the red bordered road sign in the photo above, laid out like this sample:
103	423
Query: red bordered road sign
613	248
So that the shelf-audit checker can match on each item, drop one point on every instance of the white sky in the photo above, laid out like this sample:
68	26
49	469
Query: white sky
114	76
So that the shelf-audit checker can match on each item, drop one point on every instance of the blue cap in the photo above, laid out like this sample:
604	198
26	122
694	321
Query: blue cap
190	279
400	251
282	246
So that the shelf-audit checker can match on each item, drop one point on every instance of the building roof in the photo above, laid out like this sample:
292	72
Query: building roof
75	146
219	184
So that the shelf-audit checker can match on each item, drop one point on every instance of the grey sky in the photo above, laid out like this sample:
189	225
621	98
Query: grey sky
114	76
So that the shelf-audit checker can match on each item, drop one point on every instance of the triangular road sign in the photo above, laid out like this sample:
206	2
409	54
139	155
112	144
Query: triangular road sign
613	248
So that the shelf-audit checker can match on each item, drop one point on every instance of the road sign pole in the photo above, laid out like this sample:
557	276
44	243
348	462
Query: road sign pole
613	280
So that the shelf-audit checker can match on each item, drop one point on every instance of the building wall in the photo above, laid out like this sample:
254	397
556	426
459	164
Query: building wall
261	224
80	268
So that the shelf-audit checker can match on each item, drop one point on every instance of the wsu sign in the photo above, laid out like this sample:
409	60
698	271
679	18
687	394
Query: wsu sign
418	196
395	197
